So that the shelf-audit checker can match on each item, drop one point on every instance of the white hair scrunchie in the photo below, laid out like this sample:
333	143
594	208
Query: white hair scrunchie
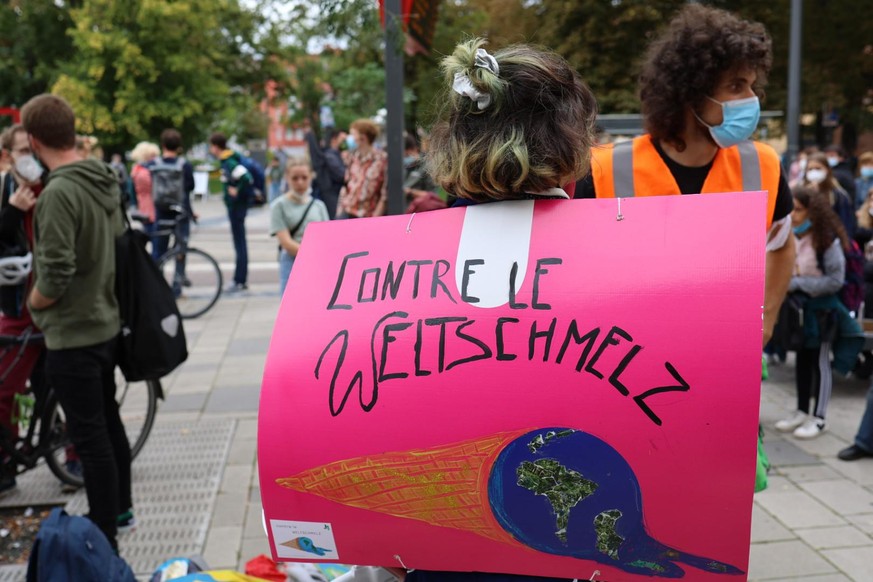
464	87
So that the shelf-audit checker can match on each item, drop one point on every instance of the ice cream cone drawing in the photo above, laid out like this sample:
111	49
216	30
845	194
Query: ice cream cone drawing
555	490
305	544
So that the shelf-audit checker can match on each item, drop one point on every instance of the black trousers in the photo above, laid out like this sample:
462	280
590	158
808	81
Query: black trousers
814	379
84	381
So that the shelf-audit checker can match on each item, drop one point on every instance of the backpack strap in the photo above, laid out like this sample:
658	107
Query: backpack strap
300	222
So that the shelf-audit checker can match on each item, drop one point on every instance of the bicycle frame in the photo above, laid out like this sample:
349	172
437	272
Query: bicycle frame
26	451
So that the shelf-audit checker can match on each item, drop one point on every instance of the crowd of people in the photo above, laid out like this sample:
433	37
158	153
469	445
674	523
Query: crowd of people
699	89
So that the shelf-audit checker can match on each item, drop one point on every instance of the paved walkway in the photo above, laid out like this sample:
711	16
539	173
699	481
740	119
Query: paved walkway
814	522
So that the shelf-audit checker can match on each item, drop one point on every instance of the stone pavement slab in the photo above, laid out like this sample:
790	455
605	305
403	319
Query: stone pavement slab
834	537
790	560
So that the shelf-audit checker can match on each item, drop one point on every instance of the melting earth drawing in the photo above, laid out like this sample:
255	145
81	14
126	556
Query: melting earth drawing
556	490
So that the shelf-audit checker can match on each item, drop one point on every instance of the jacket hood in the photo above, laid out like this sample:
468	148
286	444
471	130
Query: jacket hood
94	177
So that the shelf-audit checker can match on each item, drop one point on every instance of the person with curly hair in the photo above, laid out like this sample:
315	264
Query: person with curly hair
819	273
699	87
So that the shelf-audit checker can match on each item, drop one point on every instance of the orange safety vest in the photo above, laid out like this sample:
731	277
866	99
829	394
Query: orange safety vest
635	168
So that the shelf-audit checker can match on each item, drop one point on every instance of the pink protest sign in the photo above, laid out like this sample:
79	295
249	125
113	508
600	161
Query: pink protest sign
546	388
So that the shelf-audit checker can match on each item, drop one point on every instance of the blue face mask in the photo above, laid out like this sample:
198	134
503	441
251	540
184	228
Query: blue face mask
407	160
351	143
802	227
739	120
867	172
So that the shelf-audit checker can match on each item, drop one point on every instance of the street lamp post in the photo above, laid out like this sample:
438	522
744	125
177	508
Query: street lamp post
794	60
394	105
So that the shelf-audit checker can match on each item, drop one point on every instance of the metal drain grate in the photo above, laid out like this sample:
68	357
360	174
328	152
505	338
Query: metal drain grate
175	483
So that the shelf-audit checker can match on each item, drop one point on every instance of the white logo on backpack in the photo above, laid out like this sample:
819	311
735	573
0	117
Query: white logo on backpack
170	325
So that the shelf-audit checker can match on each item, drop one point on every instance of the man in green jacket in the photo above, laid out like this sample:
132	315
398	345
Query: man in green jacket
238	192
78	218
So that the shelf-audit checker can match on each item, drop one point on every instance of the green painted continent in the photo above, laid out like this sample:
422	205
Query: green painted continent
563	487
608	540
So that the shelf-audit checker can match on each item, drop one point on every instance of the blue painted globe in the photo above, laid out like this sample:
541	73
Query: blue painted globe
551	487
566	492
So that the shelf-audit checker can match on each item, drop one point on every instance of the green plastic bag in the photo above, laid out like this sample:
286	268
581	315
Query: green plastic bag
763	464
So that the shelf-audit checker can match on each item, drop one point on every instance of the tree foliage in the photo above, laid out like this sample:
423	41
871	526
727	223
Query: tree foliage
144	65
33	44
131	68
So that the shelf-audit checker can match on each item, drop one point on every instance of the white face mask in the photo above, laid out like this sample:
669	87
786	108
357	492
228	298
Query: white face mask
816	176
28	168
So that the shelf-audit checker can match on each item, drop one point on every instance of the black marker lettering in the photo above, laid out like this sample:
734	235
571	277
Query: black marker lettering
417	277
366	407
391	283
339	281
358	378
418	339
387	338
513	275
535	304
465	279
682	387
364	275
501	355
534	334
437	279
609	340
573	334
442	321
486	351
614	377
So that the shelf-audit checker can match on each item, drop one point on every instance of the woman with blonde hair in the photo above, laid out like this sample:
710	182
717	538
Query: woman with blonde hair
142	154
292	213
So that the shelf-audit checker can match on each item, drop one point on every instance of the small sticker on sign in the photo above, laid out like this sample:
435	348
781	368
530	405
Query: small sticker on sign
304	540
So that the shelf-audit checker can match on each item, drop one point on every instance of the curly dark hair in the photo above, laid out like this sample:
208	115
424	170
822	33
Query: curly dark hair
826	224
684	65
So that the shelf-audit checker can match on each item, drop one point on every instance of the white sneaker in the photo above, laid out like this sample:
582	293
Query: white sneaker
810	429
789	424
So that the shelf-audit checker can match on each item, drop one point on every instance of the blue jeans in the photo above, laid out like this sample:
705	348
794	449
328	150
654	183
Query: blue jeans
161	243
237	216
864	438
275	190
286	261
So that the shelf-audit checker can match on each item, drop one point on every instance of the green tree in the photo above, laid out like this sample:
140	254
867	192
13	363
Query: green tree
604	41
144	65
33	42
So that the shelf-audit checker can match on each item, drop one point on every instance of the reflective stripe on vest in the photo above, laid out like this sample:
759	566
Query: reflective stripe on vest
635	168
623	168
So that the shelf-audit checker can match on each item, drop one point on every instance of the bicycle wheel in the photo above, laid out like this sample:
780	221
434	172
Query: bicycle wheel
195	278
137	404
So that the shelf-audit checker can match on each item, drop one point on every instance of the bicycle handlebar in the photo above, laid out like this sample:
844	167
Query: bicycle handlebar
23	339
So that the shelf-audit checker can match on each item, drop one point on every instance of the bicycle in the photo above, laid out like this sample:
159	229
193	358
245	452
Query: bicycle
42	424
193	274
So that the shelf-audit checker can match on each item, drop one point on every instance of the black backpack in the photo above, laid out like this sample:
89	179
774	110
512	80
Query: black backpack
168	182
152	337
